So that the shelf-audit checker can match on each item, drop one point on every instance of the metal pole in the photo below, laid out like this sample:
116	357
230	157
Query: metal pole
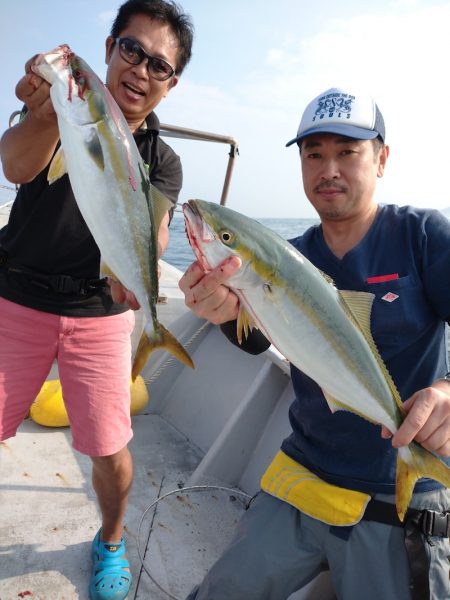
233	151
193	134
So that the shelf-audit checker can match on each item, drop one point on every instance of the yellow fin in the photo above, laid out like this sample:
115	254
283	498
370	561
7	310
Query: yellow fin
57	167
159	339
245	323
160	206
326	277
158	203
358	306
105	271
414	462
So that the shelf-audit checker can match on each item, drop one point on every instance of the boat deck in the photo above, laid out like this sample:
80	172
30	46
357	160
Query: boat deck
48	514
49	517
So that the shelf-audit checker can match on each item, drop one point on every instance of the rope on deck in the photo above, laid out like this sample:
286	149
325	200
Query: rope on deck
193	488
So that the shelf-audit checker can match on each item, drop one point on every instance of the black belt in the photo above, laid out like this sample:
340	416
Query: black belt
61	284
417	522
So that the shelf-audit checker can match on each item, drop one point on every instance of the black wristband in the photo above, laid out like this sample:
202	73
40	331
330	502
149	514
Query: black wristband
446	377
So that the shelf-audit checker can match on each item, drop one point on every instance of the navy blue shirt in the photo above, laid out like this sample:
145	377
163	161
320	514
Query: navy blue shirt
408	326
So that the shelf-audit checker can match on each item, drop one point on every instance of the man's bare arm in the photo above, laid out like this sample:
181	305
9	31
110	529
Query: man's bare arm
28	147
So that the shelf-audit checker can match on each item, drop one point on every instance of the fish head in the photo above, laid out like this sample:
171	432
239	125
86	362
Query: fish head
54	64
74	84
216	233
211	241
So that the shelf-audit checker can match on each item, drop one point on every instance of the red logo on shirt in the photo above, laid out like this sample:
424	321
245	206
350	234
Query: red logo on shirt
390	297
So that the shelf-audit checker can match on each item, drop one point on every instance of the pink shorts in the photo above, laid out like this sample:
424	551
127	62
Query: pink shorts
94	362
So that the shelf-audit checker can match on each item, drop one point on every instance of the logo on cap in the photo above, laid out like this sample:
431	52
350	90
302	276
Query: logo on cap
334	105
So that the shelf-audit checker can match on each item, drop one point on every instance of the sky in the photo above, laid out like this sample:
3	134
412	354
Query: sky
255	67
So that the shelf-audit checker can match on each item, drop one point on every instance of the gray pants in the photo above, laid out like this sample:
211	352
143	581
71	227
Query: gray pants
277	550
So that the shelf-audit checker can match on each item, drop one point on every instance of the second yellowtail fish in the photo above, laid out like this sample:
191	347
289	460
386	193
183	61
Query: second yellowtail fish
324	332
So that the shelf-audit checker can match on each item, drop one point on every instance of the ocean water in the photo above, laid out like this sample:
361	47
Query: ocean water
180	255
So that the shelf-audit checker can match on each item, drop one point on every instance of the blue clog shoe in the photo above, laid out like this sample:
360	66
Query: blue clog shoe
109	580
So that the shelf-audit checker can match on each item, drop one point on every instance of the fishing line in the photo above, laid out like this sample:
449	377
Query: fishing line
193	488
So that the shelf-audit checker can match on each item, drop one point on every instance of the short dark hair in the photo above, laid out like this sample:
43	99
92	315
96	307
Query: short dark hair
378	143
166	11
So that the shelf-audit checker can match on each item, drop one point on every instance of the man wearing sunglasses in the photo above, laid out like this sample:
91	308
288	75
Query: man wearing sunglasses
49	270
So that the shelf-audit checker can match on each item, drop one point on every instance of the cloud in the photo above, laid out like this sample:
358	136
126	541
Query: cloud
400	57
380	53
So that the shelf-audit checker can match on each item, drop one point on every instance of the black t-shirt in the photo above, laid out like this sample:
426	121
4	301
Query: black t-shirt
46	234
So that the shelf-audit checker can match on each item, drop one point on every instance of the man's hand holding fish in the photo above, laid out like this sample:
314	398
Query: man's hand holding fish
207	293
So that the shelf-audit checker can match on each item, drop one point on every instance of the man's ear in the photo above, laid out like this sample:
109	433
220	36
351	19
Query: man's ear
109	47
173	83
382	159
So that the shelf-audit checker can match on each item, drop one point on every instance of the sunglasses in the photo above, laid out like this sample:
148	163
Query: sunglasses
134	54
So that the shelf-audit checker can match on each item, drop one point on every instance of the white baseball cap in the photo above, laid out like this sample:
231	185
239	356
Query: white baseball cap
340	112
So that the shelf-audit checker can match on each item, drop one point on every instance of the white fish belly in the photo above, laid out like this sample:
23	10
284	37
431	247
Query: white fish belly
345	368
116	215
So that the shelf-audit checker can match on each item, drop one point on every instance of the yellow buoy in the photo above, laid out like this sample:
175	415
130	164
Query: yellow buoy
48	409
139	395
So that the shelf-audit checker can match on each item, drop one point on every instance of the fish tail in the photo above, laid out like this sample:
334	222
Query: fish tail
161	338
414	462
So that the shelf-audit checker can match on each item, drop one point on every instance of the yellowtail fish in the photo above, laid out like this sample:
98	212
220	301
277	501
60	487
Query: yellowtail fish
324	332
111	187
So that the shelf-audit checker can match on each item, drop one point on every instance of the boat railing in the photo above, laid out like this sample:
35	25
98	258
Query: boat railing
204	136
176	131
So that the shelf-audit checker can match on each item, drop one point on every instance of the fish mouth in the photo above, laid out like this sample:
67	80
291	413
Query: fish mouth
195	231
61	53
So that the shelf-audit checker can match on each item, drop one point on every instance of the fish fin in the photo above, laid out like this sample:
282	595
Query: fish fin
57	167
94	148
336	405
245	323
160	205
414	462
158	339
358	306
327	278
105	271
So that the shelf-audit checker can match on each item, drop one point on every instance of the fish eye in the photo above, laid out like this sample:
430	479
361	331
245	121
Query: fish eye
226	237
